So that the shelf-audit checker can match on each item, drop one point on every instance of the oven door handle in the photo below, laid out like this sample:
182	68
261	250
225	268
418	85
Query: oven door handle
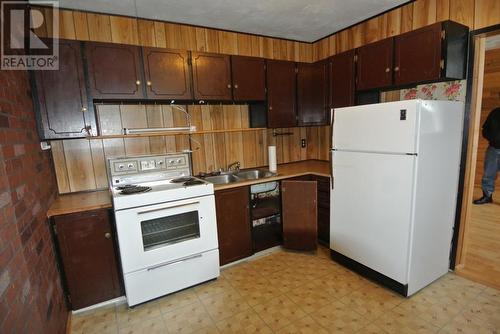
192	257
167	207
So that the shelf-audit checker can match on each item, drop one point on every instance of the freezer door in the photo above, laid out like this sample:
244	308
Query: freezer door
371	210
383	127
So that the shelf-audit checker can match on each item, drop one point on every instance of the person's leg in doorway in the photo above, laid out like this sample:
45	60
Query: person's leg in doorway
491	168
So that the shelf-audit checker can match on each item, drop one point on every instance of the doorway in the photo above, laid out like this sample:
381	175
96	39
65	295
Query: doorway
478	247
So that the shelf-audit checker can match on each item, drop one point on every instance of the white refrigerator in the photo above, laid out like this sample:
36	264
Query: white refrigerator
395	171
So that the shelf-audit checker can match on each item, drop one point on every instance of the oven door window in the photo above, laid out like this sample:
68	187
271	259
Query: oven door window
167	230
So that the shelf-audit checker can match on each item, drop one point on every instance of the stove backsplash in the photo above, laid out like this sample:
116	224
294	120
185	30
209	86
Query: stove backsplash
80	164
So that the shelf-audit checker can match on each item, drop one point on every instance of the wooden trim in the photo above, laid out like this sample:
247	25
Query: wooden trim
158	134
472	144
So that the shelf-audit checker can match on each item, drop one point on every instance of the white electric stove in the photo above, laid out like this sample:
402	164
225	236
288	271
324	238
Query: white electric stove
166	225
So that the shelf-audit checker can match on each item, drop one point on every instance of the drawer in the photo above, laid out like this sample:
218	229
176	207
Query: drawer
144	285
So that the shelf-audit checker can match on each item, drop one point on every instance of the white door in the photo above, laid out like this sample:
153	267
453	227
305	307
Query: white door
156	234
383	127
371	210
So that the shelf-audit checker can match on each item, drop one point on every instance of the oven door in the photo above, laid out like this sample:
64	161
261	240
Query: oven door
156	234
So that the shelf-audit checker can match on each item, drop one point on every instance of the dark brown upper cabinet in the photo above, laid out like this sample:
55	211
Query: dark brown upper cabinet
233	224
342	80
211	76
87	248
431	53
167	74
61	98
299	205
115	71
281	89
312	93
249	78
374	65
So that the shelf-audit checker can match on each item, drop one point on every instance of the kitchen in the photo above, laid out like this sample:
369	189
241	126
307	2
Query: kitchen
294	84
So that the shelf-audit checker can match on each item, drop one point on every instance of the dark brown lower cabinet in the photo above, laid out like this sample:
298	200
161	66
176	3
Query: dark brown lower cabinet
87	249
323	209
233	224
299	212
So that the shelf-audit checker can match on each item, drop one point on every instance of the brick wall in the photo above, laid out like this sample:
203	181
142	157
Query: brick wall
31	298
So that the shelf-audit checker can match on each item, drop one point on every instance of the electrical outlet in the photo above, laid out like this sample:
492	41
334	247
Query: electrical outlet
303	143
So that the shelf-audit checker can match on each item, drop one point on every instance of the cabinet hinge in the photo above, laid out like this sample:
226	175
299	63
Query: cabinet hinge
355	58
441	64
54	227
443	34
296	70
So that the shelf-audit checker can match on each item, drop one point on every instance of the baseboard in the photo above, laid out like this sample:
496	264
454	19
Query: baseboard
115	301
68	324
369	273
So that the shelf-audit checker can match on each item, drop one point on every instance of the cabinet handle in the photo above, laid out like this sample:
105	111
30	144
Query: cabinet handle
228	85
107	235
396	69
387	70
84	109
270	107
138	82
148	83
236	86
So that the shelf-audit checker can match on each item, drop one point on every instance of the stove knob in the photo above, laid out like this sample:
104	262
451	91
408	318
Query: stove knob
121	166
179	161
171	162
130	165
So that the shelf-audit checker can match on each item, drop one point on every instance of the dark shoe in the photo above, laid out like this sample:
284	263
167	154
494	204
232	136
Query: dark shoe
484	200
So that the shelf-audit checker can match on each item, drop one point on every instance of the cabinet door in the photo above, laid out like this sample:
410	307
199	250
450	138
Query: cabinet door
233	224
211	76
312	93
62	97
249	78
299	203
115	71
374	65
86	246
418	55
281	90
342	80
167	74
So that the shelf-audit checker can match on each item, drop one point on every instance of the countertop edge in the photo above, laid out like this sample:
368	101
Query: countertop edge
101	199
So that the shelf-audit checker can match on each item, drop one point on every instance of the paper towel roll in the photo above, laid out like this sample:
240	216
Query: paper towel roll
272	158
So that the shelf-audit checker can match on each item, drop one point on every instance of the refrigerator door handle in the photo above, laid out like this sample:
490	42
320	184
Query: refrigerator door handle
331	168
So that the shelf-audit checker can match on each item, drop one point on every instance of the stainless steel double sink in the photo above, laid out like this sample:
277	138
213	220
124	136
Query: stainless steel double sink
240	176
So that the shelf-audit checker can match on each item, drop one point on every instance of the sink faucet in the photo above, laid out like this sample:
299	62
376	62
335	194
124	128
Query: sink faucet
234	166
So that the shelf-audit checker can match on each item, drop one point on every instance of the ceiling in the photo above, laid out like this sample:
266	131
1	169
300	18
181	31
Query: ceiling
292	19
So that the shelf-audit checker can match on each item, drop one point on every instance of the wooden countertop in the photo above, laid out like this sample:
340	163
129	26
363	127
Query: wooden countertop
79	202
285	171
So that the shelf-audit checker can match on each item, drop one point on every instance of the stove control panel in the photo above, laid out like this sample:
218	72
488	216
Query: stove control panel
146	164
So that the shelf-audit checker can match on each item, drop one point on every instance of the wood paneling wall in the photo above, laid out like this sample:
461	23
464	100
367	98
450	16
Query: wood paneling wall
475	14
117	29
81	163
491	100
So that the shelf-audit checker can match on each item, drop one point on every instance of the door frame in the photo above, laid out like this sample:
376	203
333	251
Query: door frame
470	140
